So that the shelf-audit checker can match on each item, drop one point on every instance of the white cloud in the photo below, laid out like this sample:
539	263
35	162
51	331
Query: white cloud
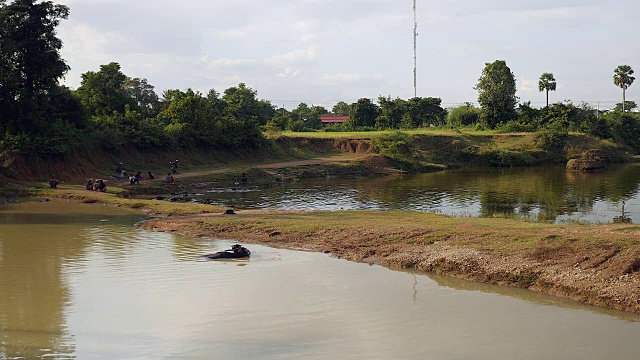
289	72
342	77
232	62
527	86
331	49
308	54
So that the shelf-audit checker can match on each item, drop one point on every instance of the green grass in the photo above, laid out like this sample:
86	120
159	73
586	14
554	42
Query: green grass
375	134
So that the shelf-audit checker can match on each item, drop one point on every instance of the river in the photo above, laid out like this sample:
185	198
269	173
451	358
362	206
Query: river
545	193
81	281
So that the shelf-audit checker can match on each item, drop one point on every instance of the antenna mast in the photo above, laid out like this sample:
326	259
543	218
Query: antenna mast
415	54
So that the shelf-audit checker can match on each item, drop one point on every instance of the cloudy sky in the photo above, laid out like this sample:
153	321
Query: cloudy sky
323	51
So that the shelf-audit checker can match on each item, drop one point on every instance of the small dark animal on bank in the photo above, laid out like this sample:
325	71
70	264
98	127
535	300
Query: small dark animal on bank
237	251
229	212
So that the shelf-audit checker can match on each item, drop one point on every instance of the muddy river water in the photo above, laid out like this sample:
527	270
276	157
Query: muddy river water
544	193
81	281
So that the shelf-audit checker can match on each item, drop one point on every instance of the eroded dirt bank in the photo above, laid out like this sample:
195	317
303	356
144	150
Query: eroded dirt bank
596	265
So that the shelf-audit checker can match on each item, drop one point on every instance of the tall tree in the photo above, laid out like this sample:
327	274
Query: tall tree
341	109
622	78
391	112
30	62
424	112
103	92
497	93
363	113
547	83
144	95
242	102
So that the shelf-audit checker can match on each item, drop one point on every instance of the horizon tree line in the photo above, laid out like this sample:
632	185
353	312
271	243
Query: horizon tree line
109	108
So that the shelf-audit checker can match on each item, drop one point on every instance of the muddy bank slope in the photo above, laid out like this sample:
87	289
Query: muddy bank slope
428	152
92	163
596	265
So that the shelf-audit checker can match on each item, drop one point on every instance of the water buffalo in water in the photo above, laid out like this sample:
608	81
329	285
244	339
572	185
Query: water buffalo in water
237	251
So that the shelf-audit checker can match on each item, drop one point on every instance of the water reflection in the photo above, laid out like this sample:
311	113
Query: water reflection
540	193
37	242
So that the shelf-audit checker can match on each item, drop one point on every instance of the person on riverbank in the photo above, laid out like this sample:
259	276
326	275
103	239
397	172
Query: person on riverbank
174	167
120	171
89	185
243	178
102	187
151	176
170	179
53	182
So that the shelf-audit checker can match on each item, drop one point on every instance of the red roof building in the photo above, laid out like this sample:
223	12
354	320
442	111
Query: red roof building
330	119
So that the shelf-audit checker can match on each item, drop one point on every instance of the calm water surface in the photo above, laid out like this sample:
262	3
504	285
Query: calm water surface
537	193
80	281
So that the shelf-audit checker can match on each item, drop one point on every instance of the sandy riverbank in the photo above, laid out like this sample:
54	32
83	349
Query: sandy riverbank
596	265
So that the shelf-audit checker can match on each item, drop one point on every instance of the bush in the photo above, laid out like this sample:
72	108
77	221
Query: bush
508	158
297	126
516	126
625	128
334	128
396	145
463	115
552	137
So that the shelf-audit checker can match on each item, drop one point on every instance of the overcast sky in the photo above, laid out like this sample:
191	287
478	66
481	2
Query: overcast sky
323	51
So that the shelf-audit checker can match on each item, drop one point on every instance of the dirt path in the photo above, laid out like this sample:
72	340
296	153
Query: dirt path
283	164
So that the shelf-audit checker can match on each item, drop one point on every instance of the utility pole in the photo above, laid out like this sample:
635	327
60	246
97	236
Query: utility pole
415	53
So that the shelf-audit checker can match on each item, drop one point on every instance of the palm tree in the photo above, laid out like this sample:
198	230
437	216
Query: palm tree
622	78
547	82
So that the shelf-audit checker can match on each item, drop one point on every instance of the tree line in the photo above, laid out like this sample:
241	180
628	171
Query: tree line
110	109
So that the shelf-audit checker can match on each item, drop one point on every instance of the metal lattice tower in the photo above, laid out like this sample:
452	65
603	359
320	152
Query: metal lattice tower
415	53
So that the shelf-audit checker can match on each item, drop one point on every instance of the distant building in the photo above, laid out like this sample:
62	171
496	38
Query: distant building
330	119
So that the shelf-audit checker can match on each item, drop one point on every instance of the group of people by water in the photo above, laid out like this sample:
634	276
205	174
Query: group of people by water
96	185
121	173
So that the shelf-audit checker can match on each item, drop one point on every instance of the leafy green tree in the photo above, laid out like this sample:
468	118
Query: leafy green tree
625	128
308	116
424	112
192	120
622	78
242	103
341	109
463	115
130	128
103	92
628	105
497	93
188	120
217	104
282	119
547	83
314	121
391	111
144	95
363	114
30	62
